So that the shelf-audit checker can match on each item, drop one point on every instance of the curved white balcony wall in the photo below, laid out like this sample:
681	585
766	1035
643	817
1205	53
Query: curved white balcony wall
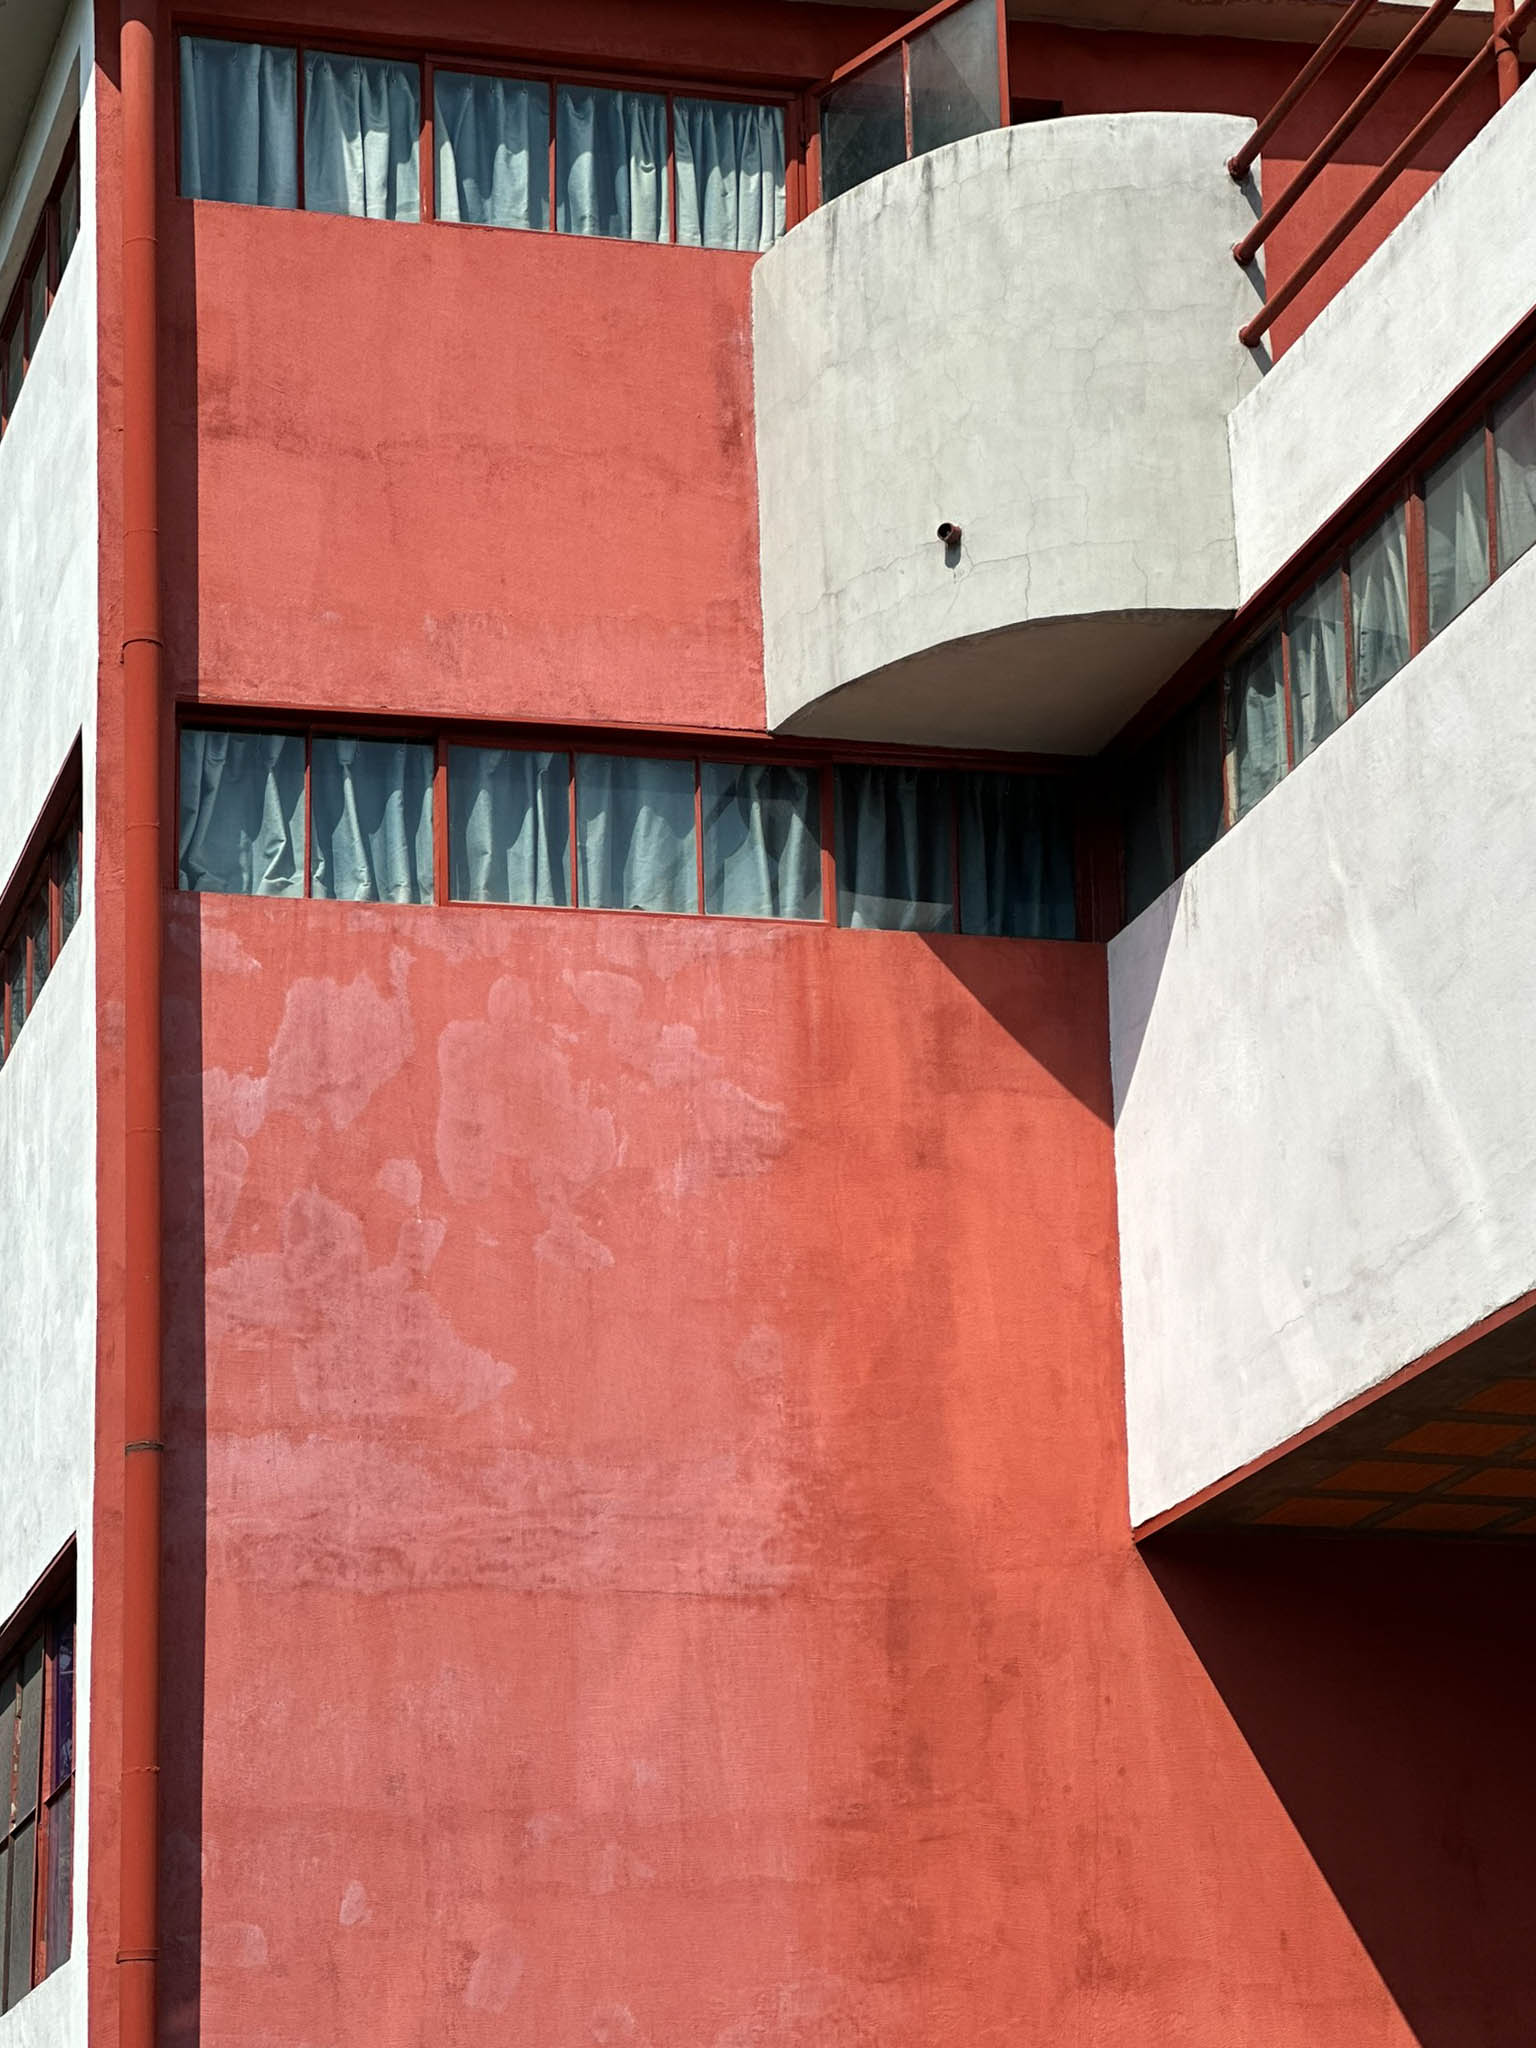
1031	334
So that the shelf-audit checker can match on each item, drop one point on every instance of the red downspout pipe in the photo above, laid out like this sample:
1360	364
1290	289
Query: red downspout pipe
139	1930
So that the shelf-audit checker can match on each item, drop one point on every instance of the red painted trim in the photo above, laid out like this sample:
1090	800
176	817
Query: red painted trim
873	51
139	1824
1508	1314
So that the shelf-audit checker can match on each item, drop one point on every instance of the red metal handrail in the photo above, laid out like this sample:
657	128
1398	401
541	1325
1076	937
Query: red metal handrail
1501	48
1329	48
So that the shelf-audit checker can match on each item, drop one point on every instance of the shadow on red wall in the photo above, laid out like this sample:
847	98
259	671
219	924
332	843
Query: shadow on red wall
1386	1689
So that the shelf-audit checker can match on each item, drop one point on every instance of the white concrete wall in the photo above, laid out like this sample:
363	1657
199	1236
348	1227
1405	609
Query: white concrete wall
48	676
1032	333
1325	1095
1411	325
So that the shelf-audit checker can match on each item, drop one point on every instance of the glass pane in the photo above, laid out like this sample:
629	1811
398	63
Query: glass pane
41	937
69	213
1456	519
730	173
8	1707
61	1870
492	137
1148	830
1196	749
863	126
362	137
36	293
1514	461
29	1747
16	969
239	122
634	834
953	76
762	841
1018	869
63	1760
1378	596
69	880
241	826
611	164
509	826
1255	728
371	822
15	363
895	870
5	1924
18	1969
1318	697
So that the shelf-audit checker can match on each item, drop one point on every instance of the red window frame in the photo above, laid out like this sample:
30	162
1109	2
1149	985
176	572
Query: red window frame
44	256
819	758
431	59
43	1626
38	880
901	39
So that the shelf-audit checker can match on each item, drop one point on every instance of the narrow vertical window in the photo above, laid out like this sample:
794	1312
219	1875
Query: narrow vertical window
1197	783
1456	527
371	820
15	363
1514	455
491	136
895	869
1018	877
241	827
1319	695
762	841
635	841
730	173
1255	724
239	122
1378	594
509	826
26	1716
69	879
69	210
362	137
39	938
611	164
59	1786
35	295
1149	863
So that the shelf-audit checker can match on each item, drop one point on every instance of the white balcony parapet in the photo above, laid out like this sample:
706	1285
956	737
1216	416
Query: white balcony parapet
1031	334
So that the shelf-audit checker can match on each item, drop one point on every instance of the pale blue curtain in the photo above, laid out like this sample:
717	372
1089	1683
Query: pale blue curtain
509	838
362	137
635	844
242	813
1456	521
762	841
1378	597
1319	692
492	137
895	871
1255	724
730	173
1018	875
611	164
1514	455
371	820
239	122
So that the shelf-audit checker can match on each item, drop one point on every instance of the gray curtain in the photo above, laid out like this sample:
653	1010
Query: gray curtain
1378	597
1514	456
242	813
1255	724
730	173
1456	519
1319	689
492	137
1017	863
371	820
239	122
894	865
611	164
635	845
362	137
509	835
762	841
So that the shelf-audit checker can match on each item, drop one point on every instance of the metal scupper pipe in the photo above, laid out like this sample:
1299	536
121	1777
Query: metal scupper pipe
139	1933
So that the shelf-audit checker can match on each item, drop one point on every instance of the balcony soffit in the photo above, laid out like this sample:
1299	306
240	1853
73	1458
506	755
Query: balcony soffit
29	29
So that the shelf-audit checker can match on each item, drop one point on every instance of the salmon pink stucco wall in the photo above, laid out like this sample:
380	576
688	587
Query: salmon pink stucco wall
647	1545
